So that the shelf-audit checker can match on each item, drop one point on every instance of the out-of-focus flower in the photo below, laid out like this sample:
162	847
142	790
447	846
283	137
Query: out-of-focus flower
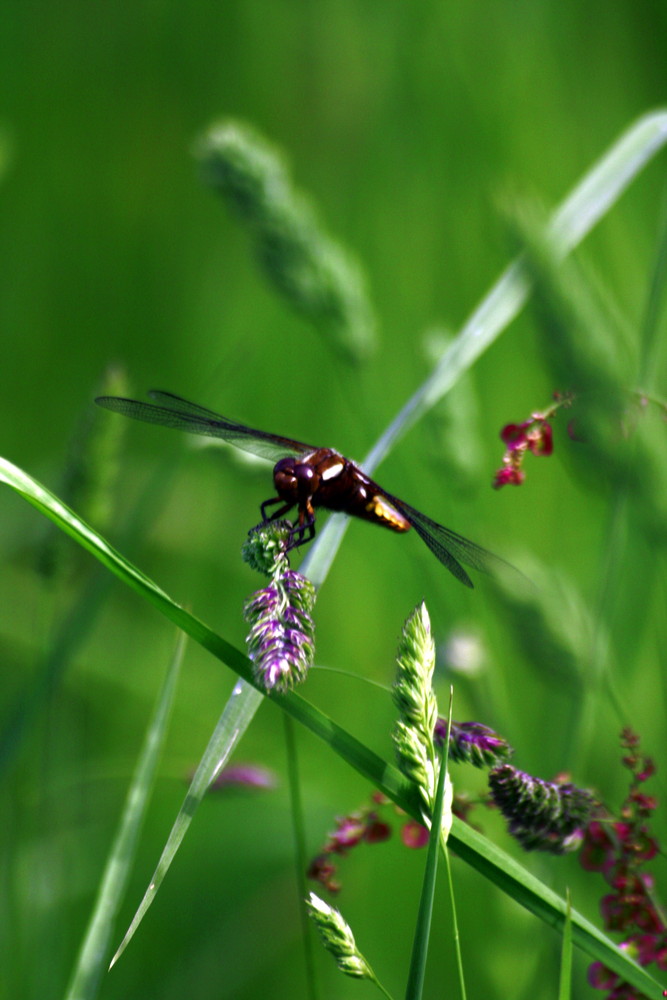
619	849
534	435
362	826
252	776
463	653
541	815
474	743
414	835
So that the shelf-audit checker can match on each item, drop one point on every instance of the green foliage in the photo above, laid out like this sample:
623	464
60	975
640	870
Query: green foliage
402	122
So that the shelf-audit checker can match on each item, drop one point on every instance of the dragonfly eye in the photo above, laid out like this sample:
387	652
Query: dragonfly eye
307	479
295	480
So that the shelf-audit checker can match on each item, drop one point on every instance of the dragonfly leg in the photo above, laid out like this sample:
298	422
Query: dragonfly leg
304	531
276	514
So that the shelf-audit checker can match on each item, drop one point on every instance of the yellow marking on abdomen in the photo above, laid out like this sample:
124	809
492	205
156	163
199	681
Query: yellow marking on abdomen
384	511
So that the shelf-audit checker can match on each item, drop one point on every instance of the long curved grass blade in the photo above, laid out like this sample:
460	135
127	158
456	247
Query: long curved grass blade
92	958
469	845
235	719
586	204
594	195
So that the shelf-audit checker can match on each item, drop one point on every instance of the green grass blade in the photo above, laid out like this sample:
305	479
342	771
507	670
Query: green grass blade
565	985
417	972
469	845
235	719
93	955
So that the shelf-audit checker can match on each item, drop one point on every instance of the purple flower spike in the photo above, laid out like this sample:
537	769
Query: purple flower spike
542	815
473	743
281	639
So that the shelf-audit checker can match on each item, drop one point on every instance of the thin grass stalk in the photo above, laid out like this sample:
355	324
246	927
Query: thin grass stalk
300	853
565	982
444	841
415	985
93	955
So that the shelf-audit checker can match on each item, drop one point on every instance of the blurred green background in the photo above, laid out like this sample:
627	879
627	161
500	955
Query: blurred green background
410	125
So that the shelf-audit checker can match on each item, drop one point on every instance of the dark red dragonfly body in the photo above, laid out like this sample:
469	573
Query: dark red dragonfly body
307	477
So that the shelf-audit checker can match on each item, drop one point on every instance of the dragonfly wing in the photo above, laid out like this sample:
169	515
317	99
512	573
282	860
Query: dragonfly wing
182	415
170	401
451	549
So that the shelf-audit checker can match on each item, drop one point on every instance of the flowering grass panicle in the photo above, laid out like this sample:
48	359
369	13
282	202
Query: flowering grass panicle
338	939
265	548
416	703
542	815
312	271
281	638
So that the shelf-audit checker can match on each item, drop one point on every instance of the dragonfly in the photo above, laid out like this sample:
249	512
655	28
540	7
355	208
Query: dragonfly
307	477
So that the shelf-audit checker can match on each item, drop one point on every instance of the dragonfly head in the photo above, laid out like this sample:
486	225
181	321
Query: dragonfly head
295	481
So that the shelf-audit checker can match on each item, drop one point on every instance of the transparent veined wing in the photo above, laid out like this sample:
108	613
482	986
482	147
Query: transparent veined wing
449	547
180	414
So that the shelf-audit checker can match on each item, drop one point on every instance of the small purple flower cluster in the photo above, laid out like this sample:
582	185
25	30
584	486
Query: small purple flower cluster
619	849
473	743
542	815
281	639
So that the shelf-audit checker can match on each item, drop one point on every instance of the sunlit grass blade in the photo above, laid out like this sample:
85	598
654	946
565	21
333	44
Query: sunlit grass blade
469	845
592	197
576	216
93	955
565	985
445	833
235	719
